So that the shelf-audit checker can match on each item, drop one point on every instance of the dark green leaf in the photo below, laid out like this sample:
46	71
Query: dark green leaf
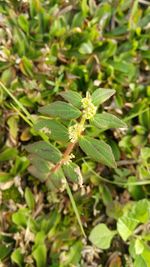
55	129
73	97
4	251
107	121
98	150
70	171
55	179
45	151
101	95
61	109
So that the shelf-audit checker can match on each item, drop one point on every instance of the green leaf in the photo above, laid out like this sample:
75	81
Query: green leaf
70	171
23	23
139	247
55	179
4	177
101	236
40	254
73	256
40	164
40	238
61	109
73	97
42	176
17	257
145	153
140	262
141	211
97	150
146	255
45	151
101	95
144	119
107	121
29	198
8	154
20	217
4	251
136	191
84	7
125	226
86	48
56	130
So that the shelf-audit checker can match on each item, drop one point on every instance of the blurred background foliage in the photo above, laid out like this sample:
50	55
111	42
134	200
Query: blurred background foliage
47	47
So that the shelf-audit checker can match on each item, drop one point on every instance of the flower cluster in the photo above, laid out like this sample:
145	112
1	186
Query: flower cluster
89	109
69	159
75	132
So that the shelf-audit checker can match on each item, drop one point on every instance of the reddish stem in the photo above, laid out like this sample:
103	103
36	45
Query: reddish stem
67	152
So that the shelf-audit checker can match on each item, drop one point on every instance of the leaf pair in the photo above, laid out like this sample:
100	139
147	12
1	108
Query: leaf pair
66	111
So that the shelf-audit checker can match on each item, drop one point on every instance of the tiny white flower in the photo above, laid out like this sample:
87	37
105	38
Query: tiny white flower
69	159
46	130
75	132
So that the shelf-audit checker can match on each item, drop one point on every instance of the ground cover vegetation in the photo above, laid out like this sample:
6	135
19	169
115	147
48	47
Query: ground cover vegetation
74	133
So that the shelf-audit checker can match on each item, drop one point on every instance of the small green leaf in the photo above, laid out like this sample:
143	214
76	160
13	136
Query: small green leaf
126	226
40	238
4	251
86	48
101	236
107	121
98	150
55	179
70	171
73	256
56	130
145	153
40	254
73	97
101	95
8	154
61	109
4	177
20	217
45	151
141	211
42	176
40	164
23	23
139	247
29	198
17	257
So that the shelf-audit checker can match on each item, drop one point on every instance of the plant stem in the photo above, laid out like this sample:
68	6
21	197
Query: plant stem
67	152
